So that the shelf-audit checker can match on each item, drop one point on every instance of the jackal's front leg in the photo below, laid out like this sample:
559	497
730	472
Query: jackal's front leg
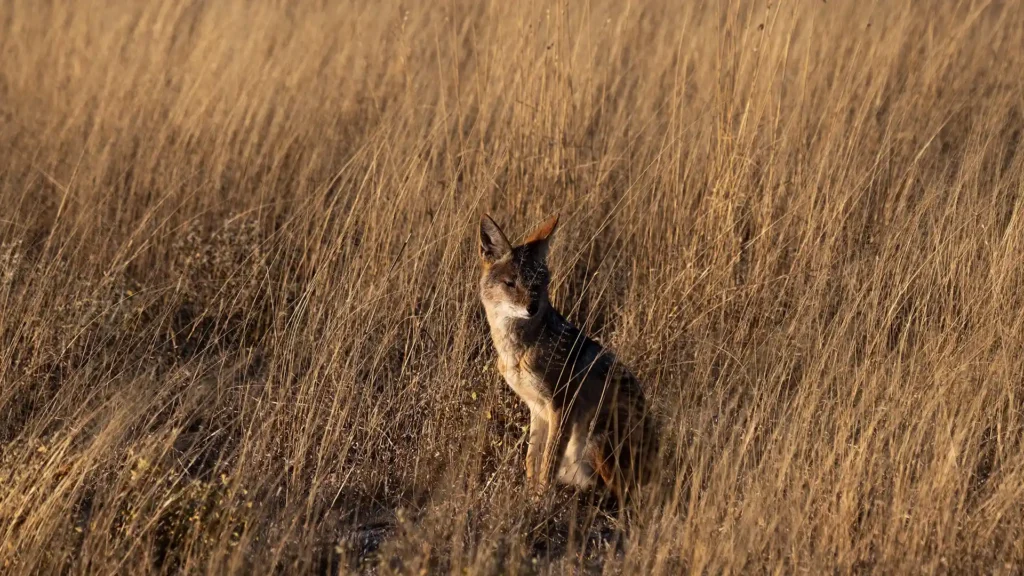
554	447
535	449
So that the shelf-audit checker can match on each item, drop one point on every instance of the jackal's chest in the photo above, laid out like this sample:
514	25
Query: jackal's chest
528	386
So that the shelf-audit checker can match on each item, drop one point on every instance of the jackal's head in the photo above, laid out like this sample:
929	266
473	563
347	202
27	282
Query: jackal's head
514	280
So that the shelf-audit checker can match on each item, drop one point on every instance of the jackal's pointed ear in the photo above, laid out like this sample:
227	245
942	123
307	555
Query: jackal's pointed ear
493	244
539	238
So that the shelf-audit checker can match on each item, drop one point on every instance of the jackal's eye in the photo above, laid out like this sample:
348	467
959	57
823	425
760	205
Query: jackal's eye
509	282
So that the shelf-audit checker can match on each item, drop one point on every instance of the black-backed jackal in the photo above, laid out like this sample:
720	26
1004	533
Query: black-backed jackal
588	418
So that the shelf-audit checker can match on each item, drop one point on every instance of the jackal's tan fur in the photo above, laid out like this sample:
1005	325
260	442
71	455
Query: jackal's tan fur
588	418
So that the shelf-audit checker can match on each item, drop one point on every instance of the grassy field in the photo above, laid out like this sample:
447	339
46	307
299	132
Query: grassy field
239	322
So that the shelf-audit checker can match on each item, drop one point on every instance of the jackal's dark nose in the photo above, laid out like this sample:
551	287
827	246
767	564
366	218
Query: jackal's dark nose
532	308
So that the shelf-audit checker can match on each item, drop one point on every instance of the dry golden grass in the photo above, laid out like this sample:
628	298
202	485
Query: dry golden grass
239	329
